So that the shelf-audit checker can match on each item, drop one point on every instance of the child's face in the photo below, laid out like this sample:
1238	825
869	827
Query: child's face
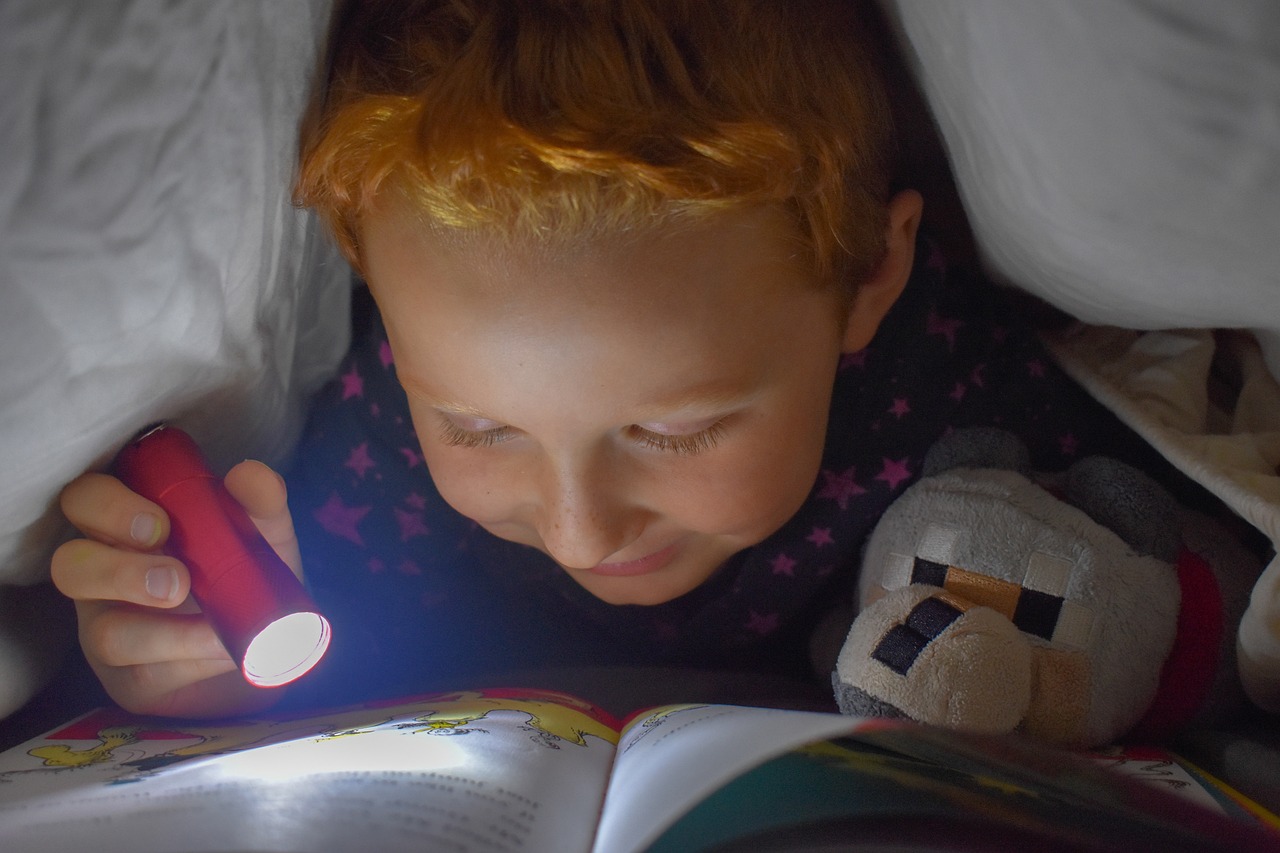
638	411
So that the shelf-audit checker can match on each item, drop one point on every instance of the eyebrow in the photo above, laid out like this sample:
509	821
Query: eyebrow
711	396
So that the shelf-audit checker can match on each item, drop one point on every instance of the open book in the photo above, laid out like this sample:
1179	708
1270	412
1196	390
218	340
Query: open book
531	771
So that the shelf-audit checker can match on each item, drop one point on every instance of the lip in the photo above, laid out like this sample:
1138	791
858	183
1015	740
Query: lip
631	568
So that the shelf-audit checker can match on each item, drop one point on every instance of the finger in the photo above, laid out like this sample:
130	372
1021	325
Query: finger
196	689
262	493
124	635
85	570
102	507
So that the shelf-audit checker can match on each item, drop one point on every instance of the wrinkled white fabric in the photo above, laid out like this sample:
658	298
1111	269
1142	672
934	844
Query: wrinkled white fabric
1121	160
1118	158
151	263
1207	402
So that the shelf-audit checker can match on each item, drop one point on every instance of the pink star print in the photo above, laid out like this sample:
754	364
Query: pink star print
894	472
840	487
853	359
784	565
411	456
359	460
384	354
376	566
976	376
416	501
821	536
411	524
1035	368
341	520
409	567
762	624
352	384
900	407
1068	444
957	393
945	326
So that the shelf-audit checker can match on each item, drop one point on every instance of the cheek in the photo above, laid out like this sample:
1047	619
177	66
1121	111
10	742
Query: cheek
481	490
751	489
467	480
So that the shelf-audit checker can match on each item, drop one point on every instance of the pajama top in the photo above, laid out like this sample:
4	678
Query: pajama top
422	598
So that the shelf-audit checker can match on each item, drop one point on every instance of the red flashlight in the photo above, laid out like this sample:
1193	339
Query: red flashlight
257	606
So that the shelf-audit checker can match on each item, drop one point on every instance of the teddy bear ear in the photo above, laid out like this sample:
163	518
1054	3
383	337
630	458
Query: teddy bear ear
977	447
1127	501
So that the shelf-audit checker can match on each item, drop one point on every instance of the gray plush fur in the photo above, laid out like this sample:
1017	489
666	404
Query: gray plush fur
1128	502
980	516
977	447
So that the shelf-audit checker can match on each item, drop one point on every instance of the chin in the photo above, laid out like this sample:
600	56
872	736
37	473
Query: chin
642	592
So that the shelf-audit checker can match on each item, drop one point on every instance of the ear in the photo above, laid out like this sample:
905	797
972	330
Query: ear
883	287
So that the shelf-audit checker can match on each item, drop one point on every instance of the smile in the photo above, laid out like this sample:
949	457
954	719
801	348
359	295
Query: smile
643	566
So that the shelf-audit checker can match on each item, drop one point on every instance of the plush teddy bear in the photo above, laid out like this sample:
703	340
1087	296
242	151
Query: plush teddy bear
1075	608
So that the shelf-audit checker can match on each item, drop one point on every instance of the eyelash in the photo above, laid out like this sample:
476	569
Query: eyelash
681	445
455	436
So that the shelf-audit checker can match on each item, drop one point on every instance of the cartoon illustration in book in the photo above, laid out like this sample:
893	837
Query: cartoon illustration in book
1161	770
652	722
125	750
133	751
110	740
549	721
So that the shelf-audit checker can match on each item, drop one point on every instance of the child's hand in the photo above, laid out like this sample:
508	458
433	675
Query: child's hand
139	629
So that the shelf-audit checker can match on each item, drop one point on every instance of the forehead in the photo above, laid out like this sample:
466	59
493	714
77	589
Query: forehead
720	302
759	249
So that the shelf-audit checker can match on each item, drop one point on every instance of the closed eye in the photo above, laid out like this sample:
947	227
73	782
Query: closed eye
478	435
679	443
480	432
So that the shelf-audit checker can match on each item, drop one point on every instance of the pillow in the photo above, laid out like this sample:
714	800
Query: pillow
151	264
1119	159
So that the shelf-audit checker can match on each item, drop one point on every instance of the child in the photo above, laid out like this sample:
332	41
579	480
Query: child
652	314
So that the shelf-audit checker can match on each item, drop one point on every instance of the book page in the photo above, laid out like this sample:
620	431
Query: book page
730	778
671	758
487	771
1159	767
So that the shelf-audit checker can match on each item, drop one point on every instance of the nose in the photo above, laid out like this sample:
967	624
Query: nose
583	515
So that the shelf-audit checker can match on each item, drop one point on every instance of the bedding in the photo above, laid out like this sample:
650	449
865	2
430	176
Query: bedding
1121	160
151	264
1117	158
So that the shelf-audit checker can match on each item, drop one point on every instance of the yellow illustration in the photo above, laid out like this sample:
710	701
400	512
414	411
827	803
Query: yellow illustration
552	719
110	739
652	721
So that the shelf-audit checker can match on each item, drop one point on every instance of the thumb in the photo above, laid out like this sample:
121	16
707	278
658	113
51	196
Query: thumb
261	491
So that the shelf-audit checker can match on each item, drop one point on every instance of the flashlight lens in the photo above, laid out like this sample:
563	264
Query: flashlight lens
286	649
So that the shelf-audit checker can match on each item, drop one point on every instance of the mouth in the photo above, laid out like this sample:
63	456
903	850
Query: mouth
643	566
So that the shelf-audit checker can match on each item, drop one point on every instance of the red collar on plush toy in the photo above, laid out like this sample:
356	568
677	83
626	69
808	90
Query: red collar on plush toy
1189	671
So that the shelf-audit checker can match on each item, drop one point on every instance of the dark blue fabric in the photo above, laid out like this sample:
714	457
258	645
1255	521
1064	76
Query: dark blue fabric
421	597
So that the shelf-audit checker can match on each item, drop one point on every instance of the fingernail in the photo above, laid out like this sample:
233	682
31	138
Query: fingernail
162	583
145	529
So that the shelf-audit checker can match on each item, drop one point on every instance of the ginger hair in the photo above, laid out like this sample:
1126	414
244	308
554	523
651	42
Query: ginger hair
565	119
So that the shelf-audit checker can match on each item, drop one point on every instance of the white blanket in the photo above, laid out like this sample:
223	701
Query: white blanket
1121	160
151	264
